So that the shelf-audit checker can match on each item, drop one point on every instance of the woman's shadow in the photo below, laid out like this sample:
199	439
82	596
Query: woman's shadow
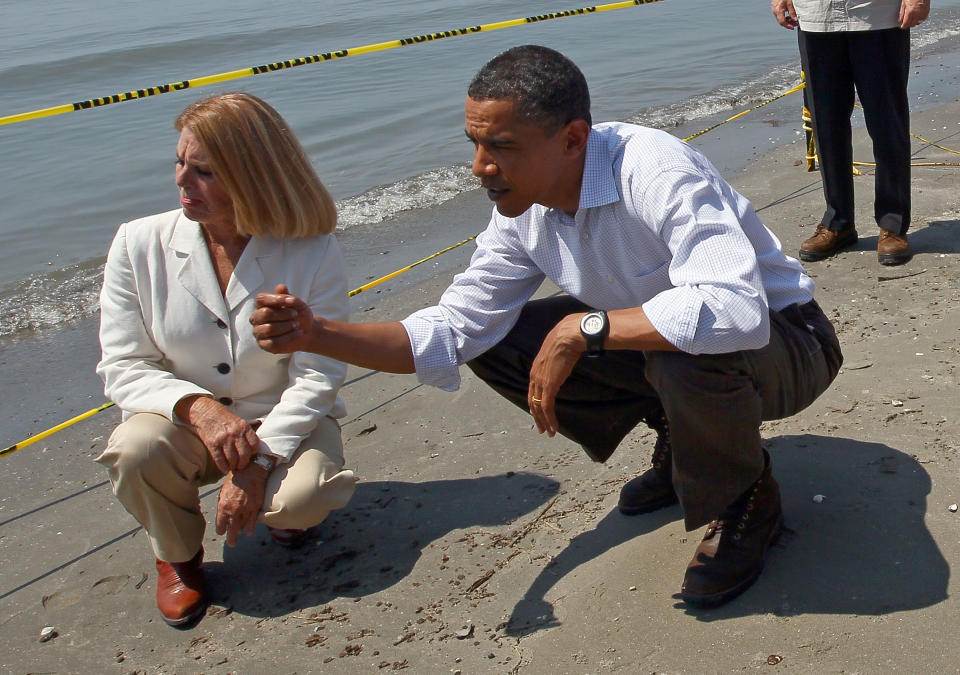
369	545
863	549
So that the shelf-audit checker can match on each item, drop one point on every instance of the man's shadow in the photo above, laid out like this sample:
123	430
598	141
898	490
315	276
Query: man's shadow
863	549
939	236
370	544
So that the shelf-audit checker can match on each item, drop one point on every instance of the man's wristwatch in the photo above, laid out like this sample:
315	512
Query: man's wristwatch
265	462
594	327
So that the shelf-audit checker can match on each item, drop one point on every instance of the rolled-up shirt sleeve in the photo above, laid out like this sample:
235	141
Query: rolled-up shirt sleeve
476	311
717	302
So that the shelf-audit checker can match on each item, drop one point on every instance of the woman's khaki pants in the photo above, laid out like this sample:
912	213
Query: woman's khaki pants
157	467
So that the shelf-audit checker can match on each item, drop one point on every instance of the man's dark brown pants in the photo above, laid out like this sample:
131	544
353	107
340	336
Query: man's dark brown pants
714	403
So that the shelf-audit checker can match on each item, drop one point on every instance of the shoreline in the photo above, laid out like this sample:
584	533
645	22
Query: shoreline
474	544
62	295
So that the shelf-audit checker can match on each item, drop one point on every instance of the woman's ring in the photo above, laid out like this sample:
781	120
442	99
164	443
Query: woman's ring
536	401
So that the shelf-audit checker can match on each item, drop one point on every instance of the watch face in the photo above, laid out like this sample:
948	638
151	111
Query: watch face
593	323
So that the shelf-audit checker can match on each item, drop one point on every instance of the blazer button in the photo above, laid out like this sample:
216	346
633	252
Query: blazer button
223	368
225	400
221	324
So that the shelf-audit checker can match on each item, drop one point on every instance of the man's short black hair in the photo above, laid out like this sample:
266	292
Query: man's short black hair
546	87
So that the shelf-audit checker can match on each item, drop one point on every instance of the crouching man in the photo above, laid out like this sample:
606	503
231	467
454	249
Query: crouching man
681	311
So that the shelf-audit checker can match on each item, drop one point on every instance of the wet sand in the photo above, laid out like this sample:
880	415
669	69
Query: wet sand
475	545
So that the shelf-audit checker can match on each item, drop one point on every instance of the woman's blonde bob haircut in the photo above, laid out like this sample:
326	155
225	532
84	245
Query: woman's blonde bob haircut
261	165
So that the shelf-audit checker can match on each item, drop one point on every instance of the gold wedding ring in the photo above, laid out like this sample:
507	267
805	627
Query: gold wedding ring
536	401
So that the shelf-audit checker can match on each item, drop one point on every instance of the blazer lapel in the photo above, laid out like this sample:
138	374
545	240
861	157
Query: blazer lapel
247	277
196	269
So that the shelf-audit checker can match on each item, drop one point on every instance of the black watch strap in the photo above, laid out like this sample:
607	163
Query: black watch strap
595	327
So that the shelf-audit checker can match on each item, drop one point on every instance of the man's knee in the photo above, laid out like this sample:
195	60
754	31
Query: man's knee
680	371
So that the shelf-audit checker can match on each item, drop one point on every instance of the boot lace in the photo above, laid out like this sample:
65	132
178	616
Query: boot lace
735	517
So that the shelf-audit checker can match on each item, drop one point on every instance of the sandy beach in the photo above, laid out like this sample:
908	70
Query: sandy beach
474	545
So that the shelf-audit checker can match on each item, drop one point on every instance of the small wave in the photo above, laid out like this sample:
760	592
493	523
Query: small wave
46	301
941	27
428	189
727	98
437	186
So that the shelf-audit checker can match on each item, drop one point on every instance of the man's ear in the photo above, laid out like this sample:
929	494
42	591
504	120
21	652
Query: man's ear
575	137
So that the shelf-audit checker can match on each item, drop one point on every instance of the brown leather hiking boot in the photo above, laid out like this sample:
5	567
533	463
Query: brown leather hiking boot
824	243
892	249
653	489
180	596
733	550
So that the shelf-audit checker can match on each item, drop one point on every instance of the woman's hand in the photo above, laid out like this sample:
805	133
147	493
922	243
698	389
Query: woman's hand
281	322
240	502
230	441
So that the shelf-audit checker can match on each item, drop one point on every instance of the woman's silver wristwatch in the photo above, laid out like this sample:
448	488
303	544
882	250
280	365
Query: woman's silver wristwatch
265	462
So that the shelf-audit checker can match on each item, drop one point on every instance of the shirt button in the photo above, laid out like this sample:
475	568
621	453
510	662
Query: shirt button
609	279
225	400
223	368
221	324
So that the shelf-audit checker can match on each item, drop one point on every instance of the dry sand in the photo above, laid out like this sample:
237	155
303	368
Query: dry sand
474	545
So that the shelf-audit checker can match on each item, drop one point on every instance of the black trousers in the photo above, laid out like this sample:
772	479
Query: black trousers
713	403
875	64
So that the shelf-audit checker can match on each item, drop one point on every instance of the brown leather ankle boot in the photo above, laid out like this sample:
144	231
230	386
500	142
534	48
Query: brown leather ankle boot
733	550
653	489
180	596
892	249
825	242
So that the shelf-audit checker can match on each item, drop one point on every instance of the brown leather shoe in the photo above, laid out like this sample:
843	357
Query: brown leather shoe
288	538
892	249
180	596
732	553
653	489
824	243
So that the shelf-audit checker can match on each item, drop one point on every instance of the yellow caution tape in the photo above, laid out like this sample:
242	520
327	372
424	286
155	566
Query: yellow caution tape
94	411
361	289
53	430
305	60
741	114
931	143
408	267
812	155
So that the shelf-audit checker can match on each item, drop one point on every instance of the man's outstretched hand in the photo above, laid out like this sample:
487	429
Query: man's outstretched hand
282	323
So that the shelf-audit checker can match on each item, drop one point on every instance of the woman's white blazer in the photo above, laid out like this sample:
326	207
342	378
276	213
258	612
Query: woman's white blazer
167	331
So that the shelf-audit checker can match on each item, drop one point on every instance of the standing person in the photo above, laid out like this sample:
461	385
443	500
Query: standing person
681	311
862	46
200	400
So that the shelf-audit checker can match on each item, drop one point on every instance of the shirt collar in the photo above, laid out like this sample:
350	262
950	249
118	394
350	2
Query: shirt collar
599	186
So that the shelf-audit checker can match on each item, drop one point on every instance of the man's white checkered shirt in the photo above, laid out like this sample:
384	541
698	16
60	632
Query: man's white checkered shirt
657	227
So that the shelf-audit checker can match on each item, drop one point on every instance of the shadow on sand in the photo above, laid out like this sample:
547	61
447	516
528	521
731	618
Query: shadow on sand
371	544
938	236
863	550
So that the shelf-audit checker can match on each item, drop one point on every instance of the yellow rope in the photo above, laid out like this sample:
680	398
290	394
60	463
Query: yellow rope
955	152
306	60
811	155
408	267
52	430
741	114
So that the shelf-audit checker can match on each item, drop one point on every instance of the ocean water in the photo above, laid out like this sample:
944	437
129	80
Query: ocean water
384	130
